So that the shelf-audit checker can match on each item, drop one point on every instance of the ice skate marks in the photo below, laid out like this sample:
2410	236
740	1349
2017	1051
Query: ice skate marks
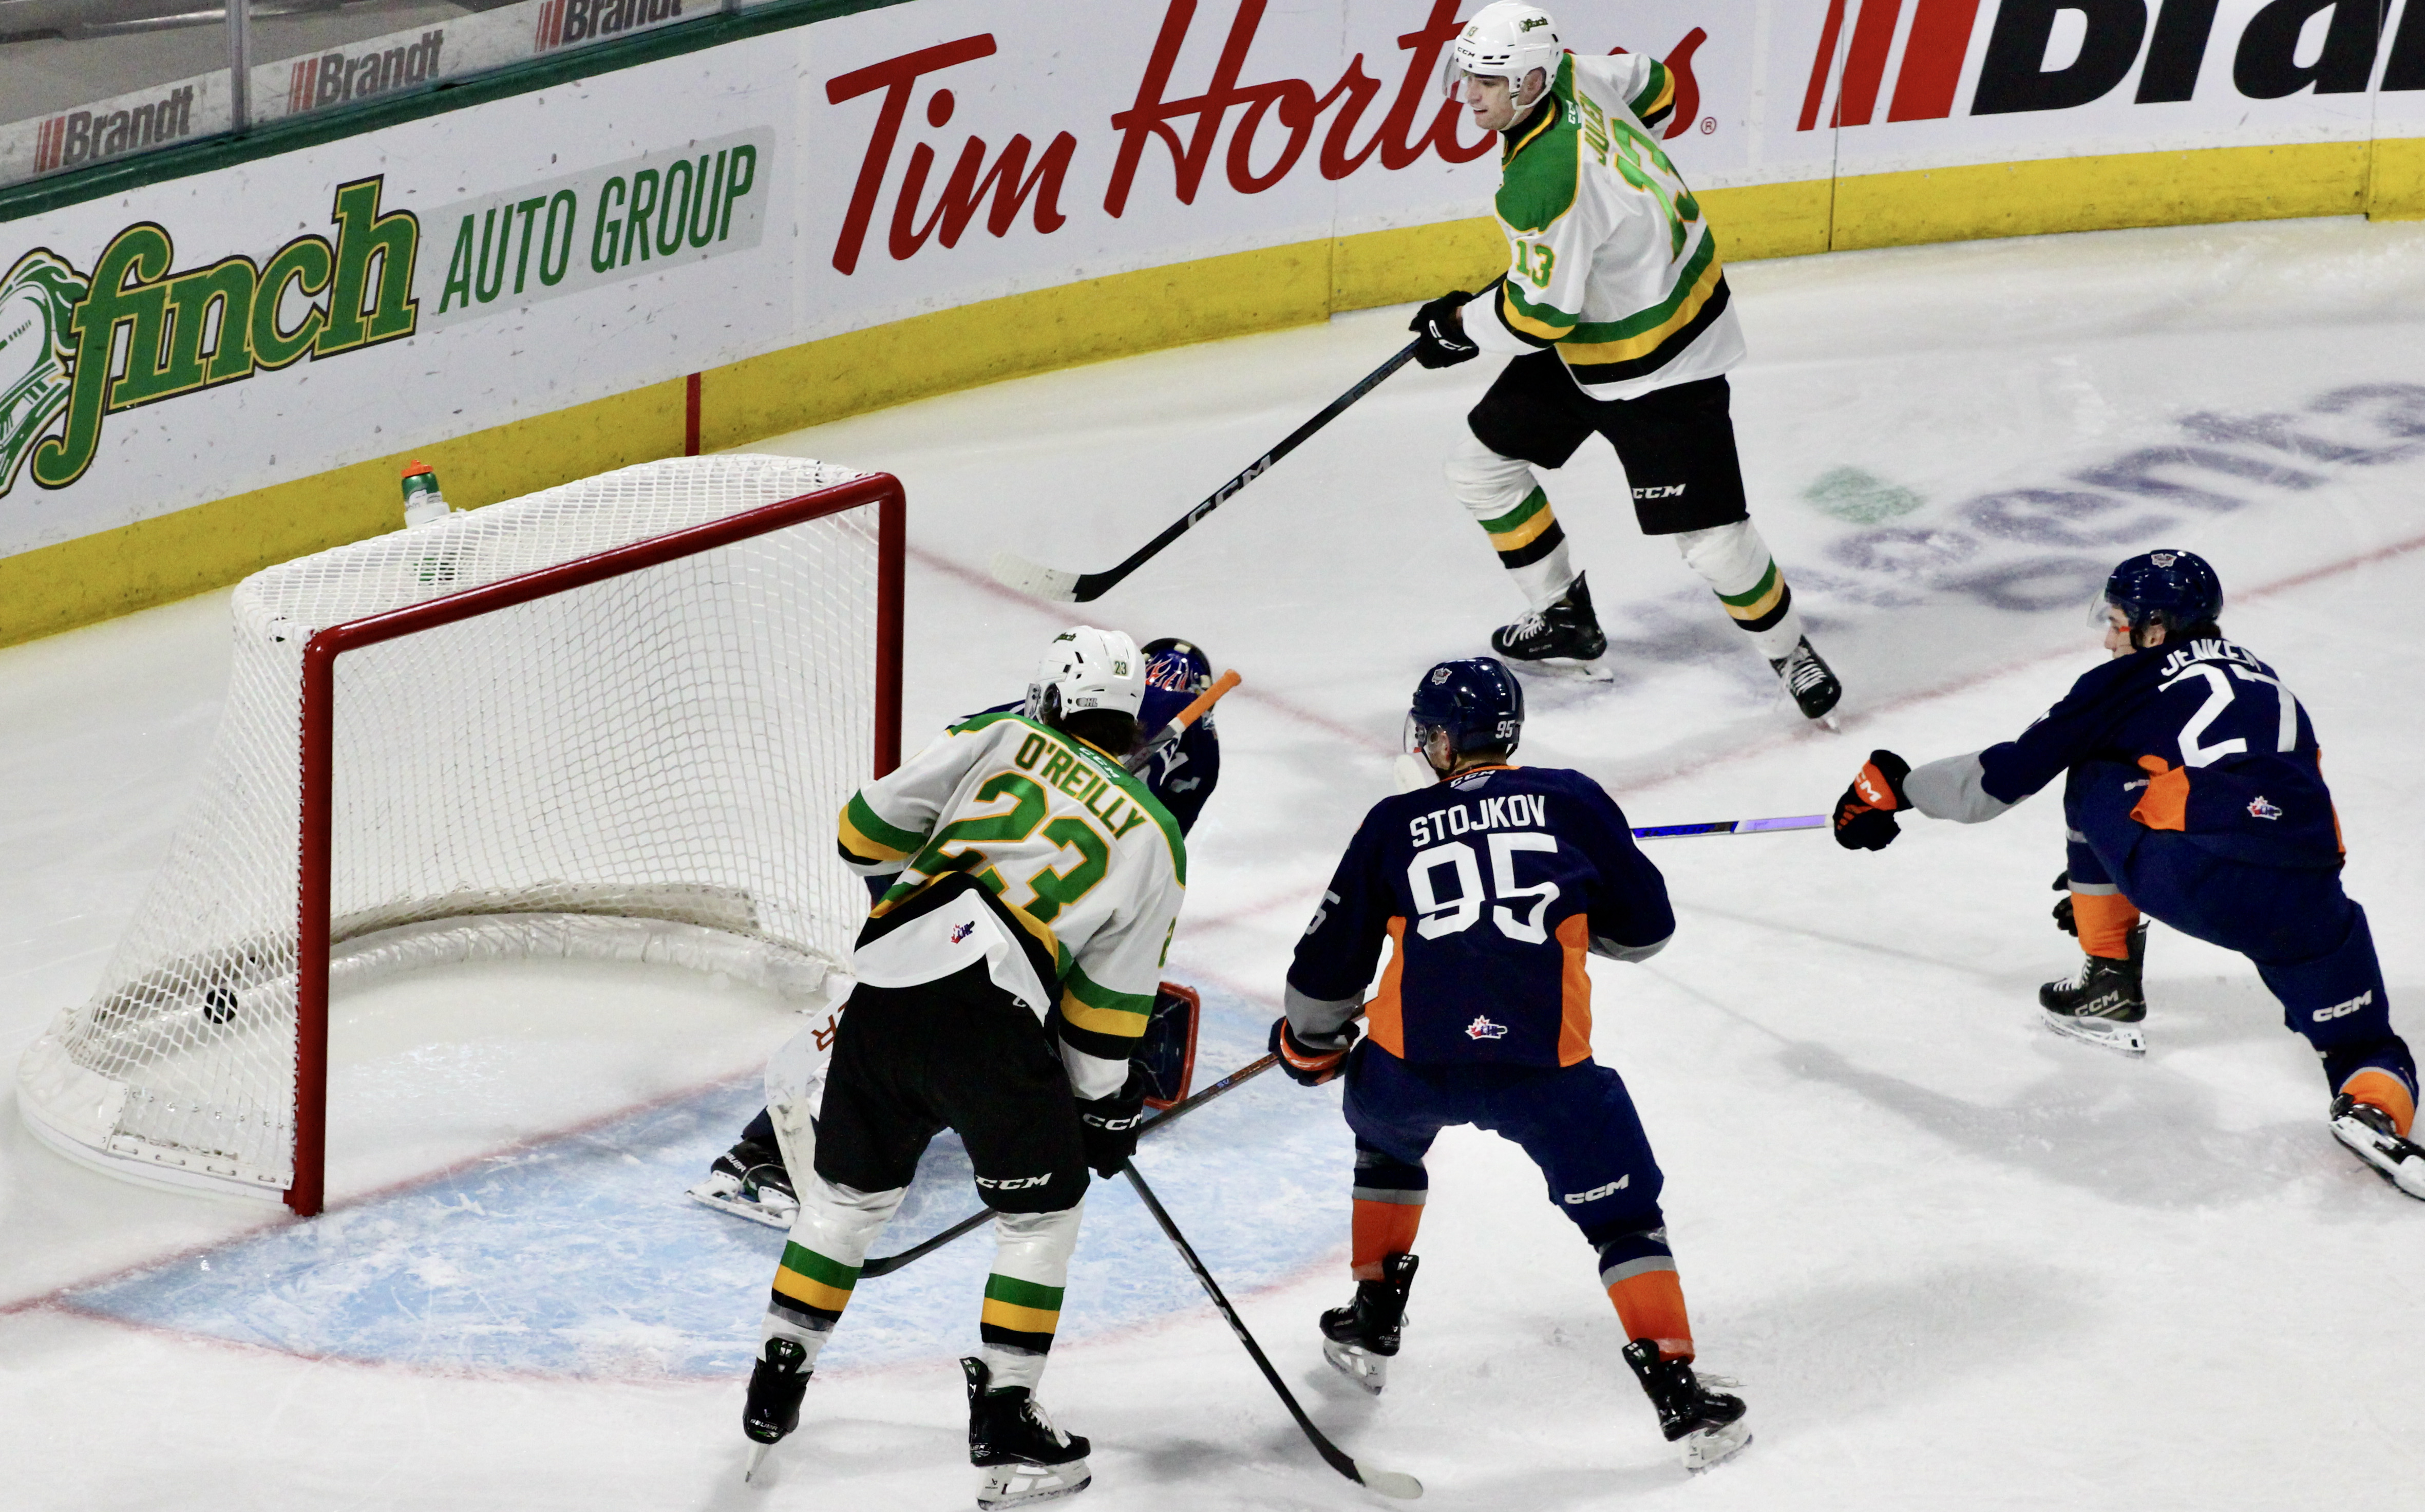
585	1257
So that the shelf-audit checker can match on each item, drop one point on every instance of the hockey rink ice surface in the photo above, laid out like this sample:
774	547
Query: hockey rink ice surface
1953	1260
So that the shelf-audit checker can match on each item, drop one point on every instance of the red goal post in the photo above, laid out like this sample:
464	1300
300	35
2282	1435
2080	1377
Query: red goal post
631	750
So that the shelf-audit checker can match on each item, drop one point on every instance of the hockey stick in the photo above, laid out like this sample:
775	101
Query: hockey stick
887	1264
1730	826
1387	1482
1197	709
1038	581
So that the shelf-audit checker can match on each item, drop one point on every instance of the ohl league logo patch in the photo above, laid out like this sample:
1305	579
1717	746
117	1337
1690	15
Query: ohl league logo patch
1482	1028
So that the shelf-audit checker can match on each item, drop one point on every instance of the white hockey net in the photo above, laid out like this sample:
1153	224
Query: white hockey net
645	767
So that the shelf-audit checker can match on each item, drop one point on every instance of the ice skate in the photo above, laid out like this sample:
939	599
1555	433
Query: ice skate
2367	1131
2102	1004
1706	1426
1566	631
1024	1457
777	1383
750	1182
1359	1339
1806	675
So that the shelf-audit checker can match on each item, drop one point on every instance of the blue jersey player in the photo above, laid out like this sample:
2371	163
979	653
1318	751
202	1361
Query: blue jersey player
2193	792
1488	891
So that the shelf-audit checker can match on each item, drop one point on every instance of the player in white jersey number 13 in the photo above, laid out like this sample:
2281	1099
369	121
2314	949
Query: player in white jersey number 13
1615	311
1004	981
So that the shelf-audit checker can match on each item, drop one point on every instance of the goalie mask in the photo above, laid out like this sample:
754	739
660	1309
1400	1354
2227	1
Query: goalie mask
1505	40
1087	669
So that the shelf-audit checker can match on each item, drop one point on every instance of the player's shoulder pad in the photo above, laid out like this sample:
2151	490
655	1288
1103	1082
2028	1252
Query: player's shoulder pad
1540	177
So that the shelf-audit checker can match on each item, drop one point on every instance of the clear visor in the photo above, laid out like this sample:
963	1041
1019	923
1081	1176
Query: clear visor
1417	734
2099	615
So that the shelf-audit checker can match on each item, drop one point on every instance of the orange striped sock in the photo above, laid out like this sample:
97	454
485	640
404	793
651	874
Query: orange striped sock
1380	1229
2105	921
1651	1306
2382	1090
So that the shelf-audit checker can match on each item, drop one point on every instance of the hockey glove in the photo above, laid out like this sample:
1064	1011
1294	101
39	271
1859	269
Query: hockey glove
1110	1125
2063	915
1865	815
1443	342
1310	1059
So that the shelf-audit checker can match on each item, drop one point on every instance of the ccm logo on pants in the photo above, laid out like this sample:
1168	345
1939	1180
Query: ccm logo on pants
1015	1183
1673	490
1579	1198
2342	1010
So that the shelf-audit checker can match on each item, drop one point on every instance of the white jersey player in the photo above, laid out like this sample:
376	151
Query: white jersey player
1615	308
1004	981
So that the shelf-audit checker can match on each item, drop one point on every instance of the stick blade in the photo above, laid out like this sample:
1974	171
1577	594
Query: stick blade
1389	1482
1033	579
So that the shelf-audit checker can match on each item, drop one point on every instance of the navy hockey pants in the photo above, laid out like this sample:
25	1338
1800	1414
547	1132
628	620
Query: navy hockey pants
1577	1122
2309	942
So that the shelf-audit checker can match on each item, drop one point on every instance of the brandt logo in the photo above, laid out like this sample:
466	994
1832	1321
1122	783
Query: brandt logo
2028	59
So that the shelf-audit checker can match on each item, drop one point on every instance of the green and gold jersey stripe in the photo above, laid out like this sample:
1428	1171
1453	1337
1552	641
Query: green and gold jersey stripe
1656	96
864	833
1541	321
1090	1005
1639	336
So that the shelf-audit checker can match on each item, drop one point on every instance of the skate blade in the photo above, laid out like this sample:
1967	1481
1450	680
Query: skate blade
1025	1485
757	1457
2127	1039
1710	1446
2405	1170
742	1208
1366	1369
1564	667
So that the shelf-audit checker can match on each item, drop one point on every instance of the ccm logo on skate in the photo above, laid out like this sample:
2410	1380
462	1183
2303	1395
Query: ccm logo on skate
1482	1028
2342	1010
1015	1183
1576	1199
1673	490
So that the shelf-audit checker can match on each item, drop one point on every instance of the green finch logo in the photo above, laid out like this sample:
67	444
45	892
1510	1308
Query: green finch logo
38	303
61	353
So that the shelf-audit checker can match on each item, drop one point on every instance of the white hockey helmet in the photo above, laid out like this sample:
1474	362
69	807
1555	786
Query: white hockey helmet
1087	668
1506	39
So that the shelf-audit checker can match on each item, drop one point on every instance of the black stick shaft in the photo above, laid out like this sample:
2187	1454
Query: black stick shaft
887	1264
1093	584
1331	1453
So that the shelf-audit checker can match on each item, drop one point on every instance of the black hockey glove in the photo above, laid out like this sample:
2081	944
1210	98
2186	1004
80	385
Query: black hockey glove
1311	1059
1443	342
1110	1125
2063	918
1865	815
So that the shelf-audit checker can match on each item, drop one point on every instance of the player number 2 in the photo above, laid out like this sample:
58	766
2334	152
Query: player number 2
1462	911
2219	696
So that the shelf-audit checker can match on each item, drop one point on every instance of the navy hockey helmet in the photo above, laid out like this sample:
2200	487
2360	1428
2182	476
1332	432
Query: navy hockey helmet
1478	702
1175	671
2173	588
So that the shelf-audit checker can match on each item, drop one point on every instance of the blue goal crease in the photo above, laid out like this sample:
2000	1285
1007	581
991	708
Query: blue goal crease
581	1256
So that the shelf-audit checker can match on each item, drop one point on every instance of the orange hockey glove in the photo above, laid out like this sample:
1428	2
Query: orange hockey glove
1865	815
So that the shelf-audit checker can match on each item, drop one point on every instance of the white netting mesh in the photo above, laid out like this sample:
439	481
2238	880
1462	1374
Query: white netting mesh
648	768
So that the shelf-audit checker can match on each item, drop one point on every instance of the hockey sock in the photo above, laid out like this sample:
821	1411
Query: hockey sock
1510	506
1639	1271
2380	1088
1736	564
2105	919
1022	1296
1389	1208
821	1260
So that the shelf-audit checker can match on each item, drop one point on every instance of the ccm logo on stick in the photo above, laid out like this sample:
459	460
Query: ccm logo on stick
1579	1198
2342	1010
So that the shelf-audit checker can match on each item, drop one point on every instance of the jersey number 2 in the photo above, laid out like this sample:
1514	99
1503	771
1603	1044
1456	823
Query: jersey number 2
2217	698
1461	912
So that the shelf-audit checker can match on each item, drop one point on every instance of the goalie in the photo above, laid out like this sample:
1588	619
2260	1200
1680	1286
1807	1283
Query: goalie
753	1179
